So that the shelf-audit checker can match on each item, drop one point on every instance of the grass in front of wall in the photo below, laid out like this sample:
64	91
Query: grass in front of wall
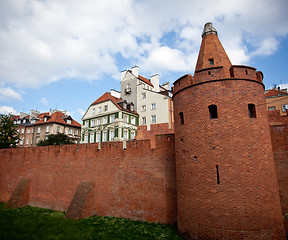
37	223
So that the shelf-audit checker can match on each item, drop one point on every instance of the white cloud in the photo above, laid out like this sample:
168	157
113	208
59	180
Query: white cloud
44	100
8	110
168	59
46	41
7	94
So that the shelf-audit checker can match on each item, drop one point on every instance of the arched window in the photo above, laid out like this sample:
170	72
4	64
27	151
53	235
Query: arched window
181	115
213	111
252	110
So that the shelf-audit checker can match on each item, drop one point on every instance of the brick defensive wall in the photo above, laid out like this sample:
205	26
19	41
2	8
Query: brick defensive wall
136	183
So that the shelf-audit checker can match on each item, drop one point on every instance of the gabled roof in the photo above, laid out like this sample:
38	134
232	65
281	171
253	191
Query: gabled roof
56	117
145	80
105	97
274	92
108	97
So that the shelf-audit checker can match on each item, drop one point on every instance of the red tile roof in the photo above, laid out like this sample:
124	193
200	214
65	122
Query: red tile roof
57	117
145	80
274	92
107	96
41	115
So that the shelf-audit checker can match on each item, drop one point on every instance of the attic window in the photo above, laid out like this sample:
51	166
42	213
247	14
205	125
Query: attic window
69	121
211	61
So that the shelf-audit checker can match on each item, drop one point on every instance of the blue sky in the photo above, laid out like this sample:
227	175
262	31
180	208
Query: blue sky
63	55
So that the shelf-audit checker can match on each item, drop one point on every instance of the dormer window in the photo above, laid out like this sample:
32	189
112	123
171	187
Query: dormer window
69	121
211	61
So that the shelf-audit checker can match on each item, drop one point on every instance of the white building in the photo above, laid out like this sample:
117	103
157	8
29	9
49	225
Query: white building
109	118
152	102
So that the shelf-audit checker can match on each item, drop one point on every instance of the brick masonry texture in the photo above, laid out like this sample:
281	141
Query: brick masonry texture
279	136
136	183
243	200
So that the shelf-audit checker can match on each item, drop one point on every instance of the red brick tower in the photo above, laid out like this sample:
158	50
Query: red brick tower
225	174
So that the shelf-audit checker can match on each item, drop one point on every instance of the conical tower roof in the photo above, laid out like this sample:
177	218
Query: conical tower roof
212	53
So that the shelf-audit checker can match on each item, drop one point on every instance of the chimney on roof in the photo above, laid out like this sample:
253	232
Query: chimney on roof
135	71
115	93
155	82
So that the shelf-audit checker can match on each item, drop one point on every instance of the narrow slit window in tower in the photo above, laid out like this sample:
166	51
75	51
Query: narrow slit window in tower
213	111
181	117
252	110
218	178
211	61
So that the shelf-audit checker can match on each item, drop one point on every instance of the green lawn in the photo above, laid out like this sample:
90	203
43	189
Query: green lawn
40	224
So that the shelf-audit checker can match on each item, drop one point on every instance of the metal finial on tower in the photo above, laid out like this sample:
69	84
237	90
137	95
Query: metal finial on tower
208	29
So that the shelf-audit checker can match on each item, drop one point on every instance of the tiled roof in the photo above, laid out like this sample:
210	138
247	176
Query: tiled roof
41	115
274	92
145	80
107	96
56	117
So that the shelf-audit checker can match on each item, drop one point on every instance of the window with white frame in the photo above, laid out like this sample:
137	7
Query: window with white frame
132	120
93	110
153	118
111	135
76	132
143	108
70	131
47	129
112	118
106	108
105	120
98	137
125	118
98	121
104	136
86	138
38	130
153	106
132	135
69	121
284	108
27	141
87	123
21	142
99	109
125	135
91	137
58	129
143	120
92	123
37	140
28	130
143	95
22	131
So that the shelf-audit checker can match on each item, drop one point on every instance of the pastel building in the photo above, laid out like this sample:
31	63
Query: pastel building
152	102
109	118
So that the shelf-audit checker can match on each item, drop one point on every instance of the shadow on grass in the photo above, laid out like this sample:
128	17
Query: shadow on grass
37	223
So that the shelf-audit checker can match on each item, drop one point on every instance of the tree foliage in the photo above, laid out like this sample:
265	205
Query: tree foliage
57	139
9	136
